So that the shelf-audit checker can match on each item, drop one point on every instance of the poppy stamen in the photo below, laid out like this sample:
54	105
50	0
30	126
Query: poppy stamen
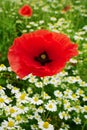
43	58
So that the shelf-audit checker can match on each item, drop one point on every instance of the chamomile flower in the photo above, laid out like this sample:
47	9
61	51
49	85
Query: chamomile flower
51	106
57	93
40	109
35	100
67	105
67	93
46	80
54	81
18	118
71	79
84	108
22	97
45	125
77	120
39	84
82	83
9	86
41	22
32	79
64	115
80	92
9	69
21	109
45	95
34	127
9	124
74	97
53	19
85	116
2	92
73	61
85	98
85	27
15	90
29	90
37	116
4	100
77	108
3	67
64	126
11	110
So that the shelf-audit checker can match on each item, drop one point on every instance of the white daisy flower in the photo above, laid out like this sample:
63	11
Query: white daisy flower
40	109
74	97
85	98
80	92
35	100
2	92
64	115
84	108
11	110
77	120
3	67
15	90
57	93
51	106
10	124
39	84
22	97
45	125
4	100
45	95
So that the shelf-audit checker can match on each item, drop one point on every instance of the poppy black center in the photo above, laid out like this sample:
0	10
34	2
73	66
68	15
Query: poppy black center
42	58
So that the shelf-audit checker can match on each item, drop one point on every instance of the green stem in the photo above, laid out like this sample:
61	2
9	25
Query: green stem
83	127
43	98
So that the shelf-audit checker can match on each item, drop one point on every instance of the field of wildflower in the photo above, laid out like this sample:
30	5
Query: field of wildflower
43	101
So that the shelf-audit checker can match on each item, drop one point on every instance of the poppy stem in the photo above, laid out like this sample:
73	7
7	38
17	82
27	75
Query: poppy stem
43	98
26	21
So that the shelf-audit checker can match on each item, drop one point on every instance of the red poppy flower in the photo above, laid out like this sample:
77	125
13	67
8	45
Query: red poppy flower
41	53
25	10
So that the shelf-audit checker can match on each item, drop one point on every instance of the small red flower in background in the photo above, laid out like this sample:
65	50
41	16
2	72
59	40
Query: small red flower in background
66	8
42	53
25	10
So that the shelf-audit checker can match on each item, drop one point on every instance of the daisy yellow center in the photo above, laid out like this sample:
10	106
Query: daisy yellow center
1	100
77	120
18	118
63	114
85	107
50	106
35	99
21	107
10	123
2	65
46	94
65	102
74	95
46	125
22	97
15	88
0	87
43	56
12	110
80	92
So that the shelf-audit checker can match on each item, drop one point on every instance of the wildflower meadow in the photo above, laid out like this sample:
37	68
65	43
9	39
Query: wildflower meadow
43	64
